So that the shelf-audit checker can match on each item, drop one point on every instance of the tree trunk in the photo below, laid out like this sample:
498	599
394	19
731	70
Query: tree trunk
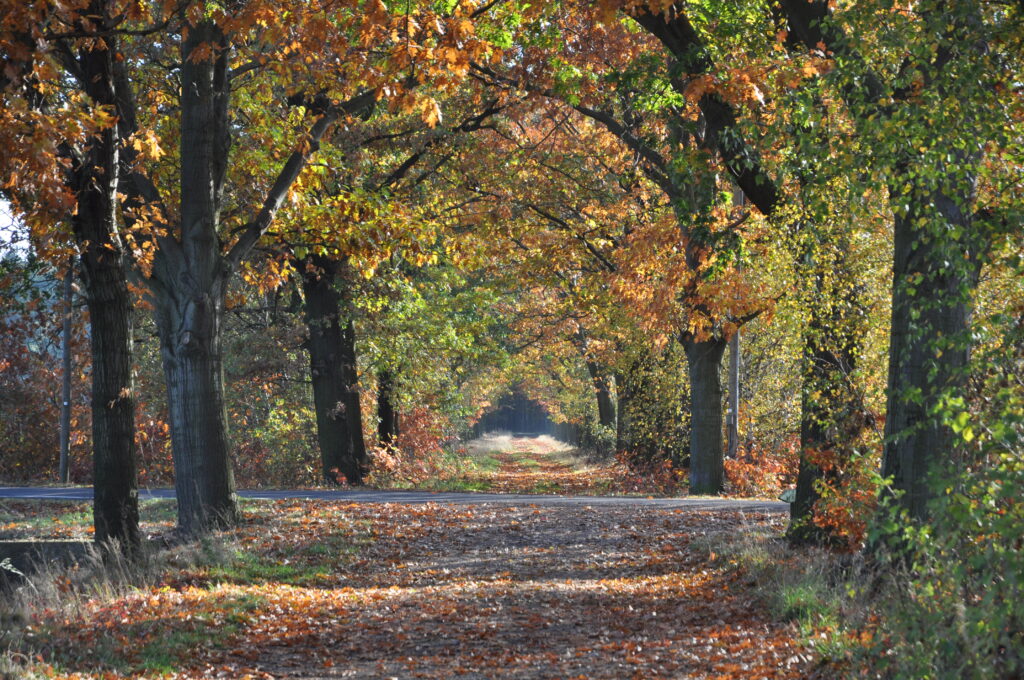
602	390
65	390
332	370
623	424
350	371
115	503
94	224
707	474
189	285
190	339
829	408
387	416
933	279
936	245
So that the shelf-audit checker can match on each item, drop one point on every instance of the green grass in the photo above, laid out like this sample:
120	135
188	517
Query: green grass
311	565
467	485
546	487
31	518
805	586
808	601
485	462
164	653
232	573
166	642
159	510
525	459
249	569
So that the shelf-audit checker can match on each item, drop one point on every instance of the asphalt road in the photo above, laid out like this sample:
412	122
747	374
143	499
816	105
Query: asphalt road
373	496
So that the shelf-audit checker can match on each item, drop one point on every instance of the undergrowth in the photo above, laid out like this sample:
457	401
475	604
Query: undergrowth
819	591
40	604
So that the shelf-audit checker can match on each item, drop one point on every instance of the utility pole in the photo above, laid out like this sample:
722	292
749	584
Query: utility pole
65	396
732	413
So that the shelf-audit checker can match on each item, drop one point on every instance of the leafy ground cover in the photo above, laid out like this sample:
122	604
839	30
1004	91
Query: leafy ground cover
306	589
508	464
505	463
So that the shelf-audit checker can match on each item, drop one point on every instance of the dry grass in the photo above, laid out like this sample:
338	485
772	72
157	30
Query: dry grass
48	586
824	593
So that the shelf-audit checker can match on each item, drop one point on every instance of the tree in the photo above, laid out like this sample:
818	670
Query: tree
932	169
670	145
332	352
192	259
91	166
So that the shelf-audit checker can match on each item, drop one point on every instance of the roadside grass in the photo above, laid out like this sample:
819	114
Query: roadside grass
53	519
150	618
154	645
546	488
821	592
486	462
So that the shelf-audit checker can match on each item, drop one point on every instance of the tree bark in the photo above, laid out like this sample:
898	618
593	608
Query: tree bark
94	176
933	279
332	359
602	390
707	474
624	439
189	285
387	415
65	389
115	503
350	371
733	420
190	337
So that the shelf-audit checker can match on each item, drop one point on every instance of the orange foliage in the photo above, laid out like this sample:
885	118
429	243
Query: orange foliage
849	492
659	477
763	472
436	591
417	456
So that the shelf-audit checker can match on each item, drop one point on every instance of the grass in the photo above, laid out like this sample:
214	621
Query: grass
462	485
33	519
159	647
815	589
546	488
486	462
248	568
52	615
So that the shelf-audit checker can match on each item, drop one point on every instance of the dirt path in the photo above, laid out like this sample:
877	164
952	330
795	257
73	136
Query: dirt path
523	592
346	584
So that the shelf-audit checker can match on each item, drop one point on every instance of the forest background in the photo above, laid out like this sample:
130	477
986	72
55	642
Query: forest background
348	229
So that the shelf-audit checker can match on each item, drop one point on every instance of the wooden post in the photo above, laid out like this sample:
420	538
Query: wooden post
732	414
65	393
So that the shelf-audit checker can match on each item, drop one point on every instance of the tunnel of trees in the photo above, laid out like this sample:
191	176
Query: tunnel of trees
759	246
516	413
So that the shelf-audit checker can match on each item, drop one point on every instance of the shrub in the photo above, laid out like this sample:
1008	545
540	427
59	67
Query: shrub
417	456
760	471
959	579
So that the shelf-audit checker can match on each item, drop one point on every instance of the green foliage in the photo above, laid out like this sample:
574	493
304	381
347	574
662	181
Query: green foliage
653	403
959	579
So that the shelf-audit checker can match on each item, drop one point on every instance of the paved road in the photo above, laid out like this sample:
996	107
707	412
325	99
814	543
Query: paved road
372	496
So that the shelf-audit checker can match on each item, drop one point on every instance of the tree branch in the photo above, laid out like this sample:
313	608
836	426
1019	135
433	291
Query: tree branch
674	30
290	172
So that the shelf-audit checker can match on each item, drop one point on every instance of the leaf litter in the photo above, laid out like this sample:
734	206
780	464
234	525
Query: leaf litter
432	591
